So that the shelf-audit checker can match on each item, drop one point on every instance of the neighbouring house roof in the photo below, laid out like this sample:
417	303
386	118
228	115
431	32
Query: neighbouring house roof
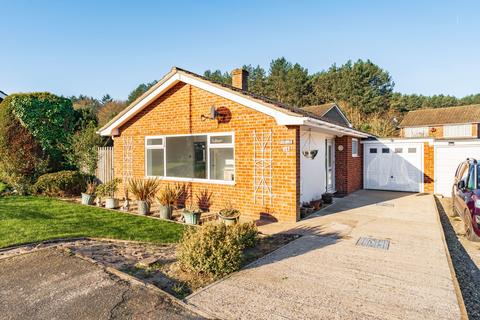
2	95
283	113
330	111
440	116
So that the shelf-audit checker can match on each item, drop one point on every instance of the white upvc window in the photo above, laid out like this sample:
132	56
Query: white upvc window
458	130
416	132
197	157
354	147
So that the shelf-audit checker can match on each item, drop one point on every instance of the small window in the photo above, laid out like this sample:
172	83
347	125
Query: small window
354	147
155	142
220	139
412	150
373	150
398	150
385	150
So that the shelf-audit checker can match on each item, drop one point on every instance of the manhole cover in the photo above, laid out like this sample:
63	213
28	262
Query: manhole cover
373	243
385	204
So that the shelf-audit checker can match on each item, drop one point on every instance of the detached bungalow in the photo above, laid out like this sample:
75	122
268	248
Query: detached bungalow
262	156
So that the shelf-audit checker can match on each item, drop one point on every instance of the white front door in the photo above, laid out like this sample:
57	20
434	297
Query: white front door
330	165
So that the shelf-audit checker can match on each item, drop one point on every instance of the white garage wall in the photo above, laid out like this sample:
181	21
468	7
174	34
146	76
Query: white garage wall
447	159
312	172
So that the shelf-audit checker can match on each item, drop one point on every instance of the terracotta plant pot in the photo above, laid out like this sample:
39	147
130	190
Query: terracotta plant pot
143	207
112	203
88	199
166	212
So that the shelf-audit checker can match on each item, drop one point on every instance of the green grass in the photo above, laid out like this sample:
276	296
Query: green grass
26	219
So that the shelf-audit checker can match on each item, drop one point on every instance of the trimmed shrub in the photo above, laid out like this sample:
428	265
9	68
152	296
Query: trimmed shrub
246	233
215	249
62	183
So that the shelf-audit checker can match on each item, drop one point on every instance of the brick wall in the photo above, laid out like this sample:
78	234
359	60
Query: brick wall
428	168
179	111
348	169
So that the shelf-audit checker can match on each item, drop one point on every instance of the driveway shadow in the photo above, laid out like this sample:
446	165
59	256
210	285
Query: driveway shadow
468	274
362	198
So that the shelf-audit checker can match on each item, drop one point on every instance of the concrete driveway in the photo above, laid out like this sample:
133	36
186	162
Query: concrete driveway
51	284
325	275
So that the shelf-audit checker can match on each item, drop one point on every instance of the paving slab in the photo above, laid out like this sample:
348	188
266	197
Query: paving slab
326	275
50	284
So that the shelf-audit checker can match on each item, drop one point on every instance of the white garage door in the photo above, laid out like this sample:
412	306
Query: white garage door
393	166
447	159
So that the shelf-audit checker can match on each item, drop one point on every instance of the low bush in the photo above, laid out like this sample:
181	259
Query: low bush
216	249
62	183
246	233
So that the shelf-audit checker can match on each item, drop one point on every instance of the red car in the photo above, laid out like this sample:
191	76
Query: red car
466	197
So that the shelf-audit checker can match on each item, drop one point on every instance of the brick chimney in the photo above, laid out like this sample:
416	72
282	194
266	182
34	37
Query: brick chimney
240	79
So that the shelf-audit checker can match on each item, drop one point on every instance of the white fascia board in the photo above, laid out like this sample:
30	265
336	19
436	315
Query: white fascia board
113	128
456	142
399	140
338	130
278	115
2	96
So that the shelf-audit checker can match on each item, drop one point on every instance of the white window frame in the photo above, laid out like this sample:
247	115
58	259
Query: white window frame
457	130
416	132
356	142
209	146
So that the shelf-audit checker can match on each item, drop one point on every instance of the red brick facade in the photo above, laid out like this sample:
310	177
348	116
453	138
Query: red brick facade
428	168
179	111
348	168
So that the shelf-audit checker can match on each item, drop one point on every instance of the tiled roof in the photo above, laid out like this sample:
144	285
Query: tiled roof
439	116
300	111
320	109
288	109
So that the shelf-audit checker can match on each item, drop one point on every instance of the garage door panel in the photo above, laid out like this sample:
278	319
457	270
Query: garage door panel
394	166
447	159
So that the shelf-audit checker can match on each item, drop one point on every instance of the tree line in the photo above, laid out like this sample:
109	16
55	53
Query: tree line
363	90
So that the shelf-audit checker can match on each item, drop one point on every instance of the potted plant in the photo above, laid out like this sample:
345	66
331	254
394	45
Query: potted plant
144	191
327	198
167	200
229	215
100	192
89	195
111	188
191	215
316	204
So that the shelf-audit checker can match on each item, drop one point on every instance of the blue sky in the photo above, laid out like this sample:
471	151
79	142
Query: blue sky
97	47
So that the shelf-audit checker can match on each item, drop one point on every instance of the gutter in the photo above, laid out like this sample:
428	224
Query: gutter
330	126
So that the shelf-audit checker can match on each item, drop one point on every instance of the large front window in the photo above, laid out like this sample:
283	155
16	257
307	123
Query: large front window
208	157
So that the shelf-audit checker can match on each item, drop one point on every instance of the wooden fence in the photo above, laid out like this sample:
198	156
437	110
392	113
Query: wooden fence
105	171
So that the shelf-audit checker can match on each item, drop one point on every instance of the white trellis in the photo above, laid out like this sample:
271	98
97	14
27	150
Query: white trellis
262	166
127	164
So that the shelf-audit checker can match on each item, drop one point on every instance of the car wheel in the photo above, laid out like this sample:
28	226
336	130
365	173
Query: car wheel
469	232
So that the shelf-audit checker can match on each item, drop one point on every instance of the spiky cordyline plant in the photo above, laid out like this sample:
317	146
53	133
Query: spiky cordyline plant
168	196
144	189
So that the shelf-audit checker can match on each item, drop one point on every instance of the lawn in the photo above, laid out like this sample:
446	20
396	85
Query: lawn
32	218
